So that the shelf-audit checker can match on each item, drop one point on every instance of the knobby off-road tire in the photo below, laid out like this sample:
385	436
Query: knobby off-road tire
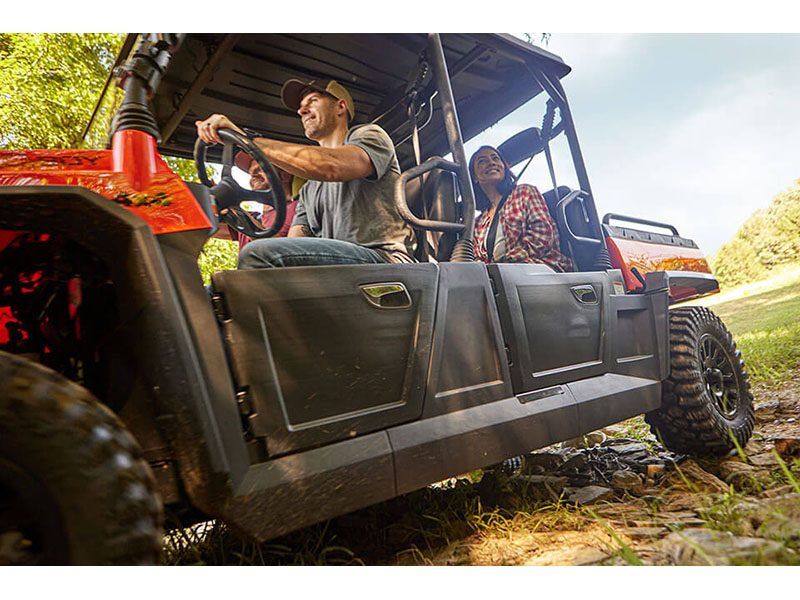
706	401
74	488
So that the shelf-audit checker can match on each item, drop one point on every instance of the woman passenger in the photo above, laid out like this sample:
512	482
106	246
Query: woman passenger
514	224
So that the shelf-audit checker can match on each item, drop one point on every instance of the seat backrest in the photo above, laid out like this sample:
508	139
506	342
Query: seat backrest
552	201
433	196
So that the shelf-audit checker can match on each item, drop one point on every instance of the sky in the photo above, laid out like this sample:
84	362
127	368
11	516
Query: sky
695	130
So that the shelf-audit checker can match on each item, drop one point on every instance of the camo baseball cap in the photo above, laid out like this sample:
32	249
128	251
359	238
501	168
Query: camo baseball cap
294	90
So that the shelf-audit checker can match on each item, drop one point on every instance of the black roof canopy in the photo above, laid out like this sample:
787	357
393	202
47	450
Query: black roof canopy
240	75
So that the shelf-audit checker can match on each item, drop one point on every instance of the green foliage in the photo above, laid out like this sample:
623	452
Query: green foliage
770	238
49	84
737	262
183	167
217	255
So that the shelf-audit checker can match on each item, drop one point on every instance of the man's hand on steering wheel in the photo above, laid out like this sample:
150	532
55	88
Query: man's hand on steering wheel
228	194
207	129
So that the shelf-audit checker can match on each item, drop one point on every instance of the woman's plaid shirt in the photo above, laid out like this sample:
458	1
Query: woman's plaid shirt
530	233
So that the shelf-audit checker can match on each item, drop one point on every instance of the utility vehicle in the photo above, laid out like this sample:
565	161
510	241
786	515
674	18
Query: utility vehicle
288	396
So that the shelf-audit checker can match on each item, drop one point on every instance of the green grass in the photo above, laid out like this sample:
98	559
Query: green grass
764	319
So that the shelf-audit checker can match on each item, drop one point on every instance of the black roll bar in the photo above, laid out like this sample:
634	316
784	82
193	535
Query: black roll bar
453	129
610	216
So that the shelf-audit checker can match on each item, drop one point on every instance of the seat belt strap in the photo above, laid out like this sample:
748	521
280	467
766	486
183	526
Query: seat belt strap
491	236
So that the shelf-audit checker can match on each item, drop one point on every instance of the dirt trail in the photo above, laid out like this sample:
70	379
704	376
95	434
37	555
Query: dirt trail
689	516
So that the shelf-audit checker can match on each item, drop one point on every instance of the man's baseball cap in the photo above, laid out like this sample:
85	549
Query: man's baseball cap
295	90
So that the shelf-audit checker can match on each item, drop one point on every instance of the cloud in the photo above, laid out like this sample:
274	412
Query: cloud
594	55
709	170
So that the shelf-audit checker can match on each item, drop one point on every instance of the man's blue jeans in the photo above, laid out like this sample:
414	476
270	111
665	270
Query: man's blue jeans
300	252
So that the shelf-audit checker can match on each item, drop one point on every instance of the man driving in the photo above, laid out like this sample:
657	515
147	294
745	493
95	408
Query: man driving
346	212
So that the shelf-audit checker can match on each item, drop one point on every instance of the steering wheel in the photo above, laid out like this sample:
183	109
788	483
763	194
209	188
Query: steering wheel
228	194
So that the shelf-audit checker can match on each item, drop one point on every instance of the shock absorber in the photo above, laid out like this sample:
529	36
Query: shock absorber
139	77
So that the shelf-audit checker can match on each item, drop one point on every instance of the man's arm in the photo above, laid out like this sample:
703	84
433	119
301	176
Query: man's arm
344	163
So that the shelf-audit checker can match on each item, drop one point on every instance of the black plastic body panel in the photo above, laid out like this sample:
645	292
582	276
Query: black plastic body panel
612	398
469	364
640	325
697	285
458	442
555	324
180	252
294	491
319	362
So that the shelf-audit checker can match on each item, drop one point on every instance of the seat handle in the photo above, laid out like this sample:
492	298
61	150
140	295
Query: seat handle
561	217
401	202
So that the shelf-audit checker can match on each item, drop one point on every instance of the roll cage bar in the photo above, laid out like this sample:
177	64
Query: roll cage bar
486	75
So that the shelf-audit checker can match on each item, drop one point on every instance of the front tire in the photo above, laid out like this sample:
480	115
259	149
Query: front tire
74	488
706	400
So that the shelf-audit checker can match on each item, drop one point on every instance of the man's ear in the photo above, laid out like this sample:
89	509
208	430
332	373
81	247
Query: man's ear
342	108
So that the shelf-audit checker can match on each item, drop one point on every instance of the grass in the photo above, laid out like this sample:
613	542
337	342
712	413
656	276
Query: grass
764	318
787	473
625	552
728	512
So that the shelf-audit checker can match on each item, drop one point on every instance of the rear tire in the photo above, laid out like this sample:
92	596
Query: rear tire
74	488
706	401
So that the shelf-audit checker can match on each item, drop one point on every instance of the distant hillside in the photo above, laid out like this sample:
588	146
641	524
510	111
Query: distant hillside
770	238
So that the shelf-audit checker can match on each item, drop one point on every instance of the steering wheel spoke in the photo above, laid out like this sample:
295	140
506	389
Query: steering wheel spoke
227	159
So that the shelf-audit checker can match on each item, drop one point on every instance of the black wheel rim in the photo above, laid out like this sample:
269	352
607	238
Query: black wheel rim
31	530
719	376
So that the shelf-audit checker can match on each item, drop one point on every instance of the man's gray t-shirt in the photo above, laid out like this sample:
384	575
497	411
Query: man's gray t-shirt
361	211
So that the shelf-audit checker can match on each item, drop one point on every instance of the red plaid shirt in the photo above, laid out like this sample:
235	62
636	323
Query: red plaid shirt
267	219
530	234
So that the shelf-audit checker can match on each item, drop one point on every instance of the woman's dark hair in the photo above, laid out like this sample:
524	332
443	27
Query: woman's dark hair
482	202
